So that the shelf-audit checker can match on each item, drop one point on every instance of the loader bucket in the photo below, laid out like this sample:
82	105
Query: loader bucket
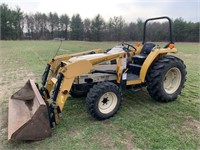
28	117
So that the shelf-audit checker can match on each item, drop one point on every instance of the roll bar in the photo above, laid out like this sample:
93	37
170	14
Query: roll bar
158	18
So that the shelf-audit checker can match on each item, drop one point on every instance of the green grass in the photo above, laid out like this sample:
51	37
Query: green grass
141	122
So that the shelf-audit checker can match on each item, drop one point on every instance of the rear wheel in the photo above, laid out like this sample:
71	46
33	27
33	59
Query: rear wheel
104	100
172	80
166	78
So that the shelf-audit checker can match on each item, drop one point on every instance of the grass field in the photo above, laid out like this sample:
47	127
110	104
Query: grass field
141	122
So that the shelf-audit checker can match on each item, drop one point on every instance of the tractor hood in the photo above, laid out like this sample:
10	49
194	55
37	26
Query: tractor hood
114	50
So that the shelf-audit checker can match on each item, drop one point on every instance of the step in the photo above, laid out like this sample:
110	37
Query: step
134	68
134	65
131	76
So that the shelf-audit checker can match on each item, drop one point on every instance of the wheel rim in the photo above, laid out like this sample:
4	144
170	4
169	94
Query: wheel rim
107	102
172	80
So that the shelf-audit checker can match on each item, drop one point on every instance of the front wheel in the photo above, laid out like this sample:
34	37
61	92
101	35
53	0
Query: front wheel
166	78
104	100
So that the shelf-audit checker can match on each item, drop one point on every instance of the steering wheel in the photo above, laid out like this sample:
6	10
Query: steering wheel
129	45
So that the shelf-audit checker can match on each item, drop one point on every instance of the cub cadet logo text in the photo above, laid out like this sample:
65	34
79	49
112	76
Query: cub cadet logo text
105	59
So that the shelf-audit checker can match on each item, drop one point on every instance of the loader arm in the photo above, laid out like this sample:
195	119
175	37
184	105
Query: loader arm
53	66
55	62
67	74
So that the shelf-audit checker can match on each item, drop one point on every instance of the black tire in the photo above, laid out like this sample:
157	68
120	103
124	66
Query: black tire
78	94
158	85
78	91
112	98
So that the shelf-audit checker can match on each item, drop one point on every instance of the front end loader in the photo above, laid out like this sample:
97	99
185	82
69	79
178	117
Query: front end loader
102	76
28	113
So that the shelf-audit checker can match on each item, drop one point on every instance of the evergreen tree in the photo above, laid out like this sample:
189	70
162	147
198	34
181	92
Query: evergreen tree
76	26
64	25
97	27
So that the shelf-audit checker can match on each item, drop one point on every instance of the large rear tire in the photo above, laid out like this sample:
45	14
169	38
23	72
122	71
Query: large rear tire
166	78
104	100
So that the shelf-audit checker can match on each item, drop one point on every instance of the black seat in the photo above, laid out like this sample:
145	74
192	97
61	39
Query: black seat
146	49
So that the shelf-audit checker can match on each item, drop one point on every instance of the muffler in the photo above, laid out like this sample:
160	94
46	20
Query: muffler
28	117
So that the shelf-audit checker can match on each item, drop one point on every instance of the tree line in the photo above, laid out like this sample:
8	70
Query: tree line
16	25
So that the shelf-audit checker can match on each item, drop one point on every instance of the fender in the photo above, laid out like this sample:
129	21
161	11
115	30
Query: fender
152	57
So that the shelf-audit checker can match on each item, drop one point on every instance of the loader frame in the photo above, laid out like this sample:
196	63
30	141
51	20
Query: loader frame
52	69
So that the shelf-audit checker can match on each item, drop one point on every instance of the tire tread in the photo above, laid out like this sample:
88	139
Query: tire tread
154	77
95	93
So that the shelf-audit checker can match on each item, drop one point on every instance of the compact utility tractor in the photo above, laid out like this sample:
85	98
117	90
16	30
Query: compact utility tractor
99	75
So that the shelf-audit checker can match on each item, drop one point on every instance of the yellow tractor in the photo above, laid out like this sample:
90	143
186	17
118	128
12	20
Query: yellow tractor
99	75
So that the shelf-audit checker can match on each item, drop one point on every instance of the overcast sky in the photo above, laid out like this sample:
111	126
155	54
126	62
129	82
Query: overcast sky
130	10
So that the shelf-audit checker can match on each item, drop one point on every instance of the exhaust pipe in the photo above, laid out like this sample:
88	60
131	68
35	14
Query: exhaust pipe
28	117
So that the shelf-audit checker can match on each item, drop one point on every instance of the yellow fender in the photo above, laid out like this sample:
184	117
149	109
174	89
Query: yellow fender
152	57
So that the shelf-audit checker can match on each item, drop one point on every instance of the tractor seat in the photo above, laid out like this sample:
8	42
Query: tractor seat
146	49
